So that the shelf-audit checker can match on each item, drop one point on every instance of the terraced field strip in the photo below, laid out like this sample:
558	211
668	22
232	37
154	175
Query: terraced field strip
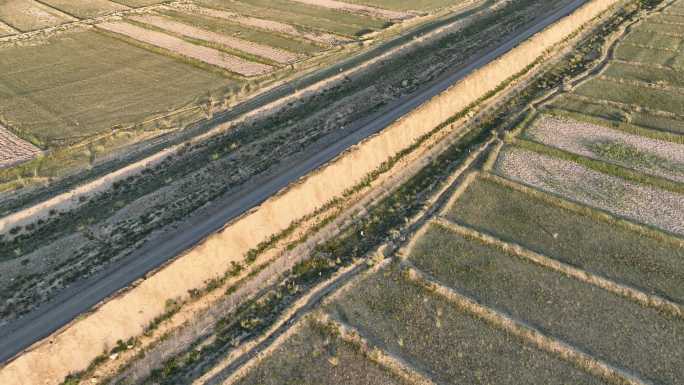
576	235
661	127
304	15
277	55
643	204
14	150
85	9
652	74
661	158
181	47
648	55
357	8
527	332
29	15
264	24
661	304
409	5
138	3
630	94
608	335
447	344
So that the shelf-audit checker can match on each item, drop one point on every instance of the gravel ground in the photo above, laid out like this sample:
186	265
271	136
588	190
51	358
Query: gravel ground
636	202
450	346
656	157
598	322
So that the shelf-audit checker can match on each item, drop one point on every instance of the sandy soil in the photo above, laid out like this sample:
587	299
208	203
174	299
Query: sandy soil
256	49
357	8
636	202
15	150
269	25
179	46
652	156
6	30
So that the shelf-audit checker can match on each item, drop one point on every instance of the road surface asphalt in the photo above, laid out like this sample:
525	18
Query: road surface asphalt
80	297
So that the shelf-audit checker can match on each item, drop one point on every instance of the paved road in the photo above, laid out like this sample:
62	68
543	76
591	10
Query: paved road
80	297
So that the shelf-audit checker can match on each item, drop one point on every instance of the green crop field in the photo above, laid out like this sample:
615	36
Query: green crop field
632	53
645	74
301	14
101	83
654	40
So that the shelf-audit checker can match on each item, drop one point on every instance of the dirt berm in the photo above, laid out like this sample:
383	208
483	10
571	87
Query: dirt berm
126	315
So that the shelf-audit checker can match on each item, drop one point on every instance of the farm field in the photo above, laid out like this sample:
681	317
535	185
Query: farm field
29	15
560	261
158	70
14	150
85	9
408	5
650	156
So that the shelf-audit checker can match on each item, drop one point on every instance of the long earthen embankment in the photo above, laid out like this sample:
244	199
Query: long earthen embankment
124	316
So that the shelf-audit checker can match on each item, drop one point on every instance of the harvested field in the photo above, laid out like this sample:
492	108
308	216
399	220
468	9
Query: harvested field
646	74
579	240
613	329
651	156
14	150
614	116
653	40
632	53
356	8
304	15
125	83
314	356
260	50
268	25
643	96
85	9
408	5
673	29
642	204
29	15
252	35
450	346
183	48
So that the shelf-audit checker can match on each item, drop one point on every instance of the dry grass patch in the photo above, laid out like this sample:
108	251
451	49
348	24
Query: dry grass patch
655	157
29	15
249	47
86	8
6	30
611	328
186	49
450	346
643	204
139	3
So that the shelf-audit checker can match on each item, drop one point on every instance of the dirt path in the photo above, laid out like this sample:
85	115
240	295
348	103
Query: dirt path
249	47
182	47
